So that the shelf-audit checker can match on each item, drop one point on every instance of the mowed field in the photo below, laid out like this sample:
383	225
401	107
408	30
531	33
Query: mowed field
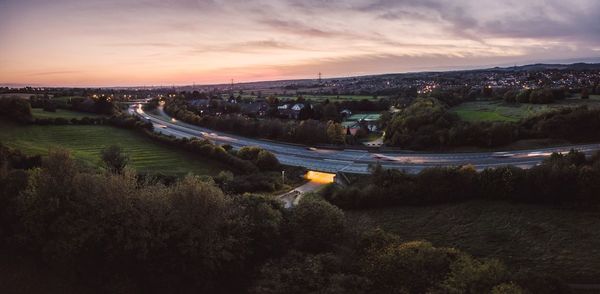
562	242
86	142
61	113
500	111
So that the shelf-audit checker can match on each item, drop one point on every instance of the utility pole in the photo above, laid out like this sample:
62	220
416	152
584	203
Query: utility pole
320	80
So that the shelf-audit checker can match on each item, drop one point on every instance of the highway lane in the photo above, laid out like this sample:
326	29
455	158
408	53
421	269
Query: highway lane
356	161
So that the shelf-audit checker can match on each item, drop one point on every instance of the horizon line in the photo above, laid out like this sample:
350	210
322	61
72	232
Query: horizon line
571	61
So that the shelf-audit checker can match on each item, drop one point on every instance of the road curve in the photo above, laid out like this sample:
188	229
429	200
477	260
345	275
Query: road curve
355	161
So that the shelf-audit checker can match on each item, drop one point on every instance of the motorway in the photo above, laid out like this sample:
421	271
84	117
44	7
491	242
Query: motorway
355	161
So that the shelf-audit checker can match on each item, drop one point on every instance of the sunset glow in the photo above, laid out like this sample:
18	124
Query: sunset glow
153	42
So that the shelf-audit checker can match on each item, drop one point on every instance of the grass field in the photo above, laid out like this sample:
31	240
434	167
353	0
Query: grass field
320	98
562	242
500	111
66	98
62	113
317	98
19	95
86	142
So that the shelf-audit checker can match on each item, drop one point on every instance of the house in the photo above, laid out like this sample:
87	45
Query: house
291	111
345	113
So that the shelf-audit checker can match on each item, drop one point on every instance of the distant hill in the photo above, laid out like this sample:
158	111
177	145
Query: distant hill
545	66
529	67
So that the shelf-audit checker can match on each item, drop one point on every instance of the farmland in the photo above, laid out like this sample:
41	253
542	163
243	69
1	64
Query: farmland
19	95
524	236
86	142
500	111
61	113
311	97
333	98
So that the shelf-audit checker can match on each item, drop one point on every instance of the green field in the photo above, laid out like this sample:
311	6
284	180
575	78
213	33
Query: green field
316	98
86	142
565	243
18	95
500	111
61	113
321	98
365	116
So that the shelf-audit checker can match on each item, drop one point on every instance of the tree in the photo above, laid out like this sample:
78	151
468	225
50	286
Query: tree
413	267
261	220
585	93
113	158
298	273
306	112
16	108
267	160
317	225
470	275
335	133
104	105
330	112
507	288
510	96
249	152
272	100
197	223
523	96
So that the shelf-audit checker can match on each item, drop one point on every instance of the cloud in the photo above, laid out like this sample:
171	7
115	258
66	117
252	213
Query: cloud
54	73
154	38
508	19
142	44
298	28
253	46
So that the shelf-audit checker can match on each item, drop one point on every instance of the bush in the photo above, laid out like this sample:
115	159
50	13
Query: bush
113	158
413	267
263	159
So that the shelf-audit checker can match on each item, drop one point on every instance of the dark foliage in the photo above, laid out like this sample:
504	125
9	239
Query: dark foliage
116	233
16	109
305	131
561	179
427	124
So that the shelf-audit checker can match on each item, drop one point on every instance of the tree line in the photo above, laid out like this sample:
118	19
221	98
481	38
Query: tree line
563	179
112	233
99	105
308	131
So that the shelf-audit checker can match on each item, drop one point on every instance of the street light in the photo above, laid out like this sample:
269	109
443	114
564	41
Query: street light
283	177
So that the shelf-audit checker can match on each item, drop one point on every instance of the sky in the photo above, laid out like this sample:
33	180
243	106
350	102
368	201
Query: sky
162	42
